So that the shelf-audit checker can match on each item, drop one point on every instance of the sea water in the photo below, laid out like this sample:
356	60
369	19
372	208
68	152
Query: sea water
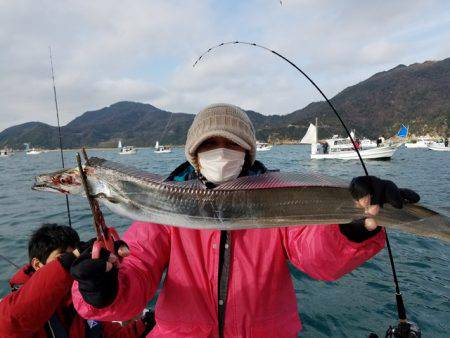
359	303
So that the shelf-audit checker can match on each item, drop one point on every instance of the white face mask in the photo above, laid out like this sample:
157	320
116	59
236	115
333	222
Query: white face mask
221	164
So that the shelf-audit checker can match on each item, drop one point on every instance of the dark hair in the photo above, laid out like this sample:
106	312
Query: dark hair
50	237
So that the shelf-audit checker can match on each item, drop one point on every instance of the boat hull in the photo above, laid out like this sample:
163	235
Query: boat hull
131	152
439	148
417	145
380	153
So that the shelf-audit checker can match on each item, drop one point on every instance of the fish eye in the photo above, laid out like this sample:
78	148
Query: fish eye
62	179
66	180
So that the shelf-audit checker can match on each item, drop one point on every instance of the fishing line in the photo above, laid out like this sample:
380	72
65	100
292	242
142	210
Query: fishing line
166	127
9	261
304	74
399	299
59	130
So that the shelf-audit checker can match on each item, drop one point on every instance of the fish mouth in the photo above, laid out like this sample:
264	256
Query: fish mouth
46	187
41	184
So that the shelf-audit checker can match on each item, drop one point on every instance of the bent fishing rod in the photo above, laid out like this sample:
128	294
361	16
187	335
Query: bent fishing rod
404	328
59	129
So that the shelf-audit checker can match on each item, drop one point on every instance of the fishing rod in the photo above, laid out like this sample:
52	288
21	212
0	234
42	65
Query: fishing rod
59	129
404	327
9	261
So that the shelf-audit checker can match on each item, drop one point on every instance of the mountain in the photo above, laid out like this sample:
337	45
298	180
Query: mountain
134	123
417	95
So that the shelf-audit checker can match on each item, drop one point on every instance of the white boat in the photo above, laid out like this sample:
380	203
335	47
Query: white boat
126	150
31	151
439	146
261	146
162	149
34	151
421	142
342	148
6	152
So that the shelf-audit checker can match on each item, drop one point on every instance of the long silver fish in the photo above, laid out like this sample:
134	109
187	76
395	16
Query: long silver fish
269	200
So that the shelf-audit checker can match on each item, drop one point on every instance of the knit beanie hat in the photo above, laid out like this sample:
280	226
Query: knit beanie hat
224	120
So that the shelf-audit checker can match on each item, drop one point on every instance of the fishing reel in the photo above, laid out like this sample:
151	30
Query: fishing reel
404	329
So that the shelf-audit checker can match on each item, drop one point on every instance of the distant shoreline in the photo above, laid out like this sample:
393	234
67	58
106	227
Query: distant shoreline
149	147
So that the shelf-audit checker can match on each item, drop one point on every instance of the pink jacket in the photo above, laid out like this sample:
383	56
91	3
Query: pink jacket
261	299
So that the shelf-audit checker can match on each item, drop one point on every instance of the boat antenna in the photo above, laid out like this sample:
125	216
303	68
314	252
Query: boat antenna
9	261
404	327
59	129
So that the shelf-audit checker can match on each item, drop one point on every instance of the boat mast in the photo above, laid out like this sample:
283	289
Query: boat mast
314	143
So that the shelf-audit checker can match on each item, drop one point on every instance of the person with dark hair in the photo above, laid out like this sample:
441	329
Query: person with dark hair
41	304
325	147
379	141
49	242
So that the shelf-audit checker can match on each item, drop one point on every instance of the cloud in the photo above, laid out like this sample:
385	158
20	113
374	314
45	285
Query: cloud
379	52
105	51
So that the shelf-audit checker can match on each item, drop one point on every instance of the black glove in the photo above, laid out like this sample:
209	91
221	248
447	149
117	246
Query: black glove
382	191
97	286
67	258
356	231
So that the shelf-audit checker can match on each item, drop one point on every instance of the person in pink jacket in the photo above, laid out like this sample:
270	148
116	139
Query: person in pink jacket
225	283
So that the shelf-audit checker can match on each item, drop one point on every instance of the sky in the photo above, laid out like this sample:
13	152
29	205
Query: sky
143	50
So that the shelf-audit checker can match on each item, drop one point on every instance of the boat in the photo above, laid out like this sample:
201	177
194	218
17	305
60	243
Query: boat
34	151
262	146
162	149
343	149
439	146
126	150
367	143
31	151
6	152
421	142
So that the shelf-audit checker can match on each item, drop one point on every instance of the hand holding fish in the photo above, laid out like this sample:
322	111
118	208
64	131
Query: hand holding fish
371	193
98	277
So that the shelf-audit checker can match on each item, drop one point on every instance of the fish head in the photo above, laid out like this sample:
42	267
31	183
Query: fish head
66	181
